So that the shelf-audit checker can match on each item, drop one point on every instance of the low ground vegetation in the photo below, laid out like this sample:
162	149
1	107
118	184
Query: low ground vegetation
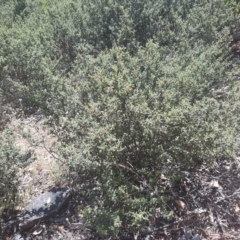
135	92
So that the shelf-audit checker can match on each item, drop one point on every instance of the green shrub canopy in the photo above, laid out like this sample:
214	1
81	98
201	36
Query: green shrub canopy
132	89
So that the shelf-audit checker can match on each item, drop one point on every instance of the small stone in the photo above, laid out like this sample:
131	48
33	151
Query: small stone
45	206
214	184
37	231
17	236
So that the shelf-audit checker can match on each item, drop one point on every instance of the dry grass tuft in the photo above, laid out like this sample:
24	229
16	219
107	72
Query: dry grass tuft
44	171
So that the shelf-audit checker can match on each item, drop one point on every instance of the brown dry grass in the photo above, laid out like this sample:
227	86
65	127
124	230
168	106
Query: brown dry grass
44	171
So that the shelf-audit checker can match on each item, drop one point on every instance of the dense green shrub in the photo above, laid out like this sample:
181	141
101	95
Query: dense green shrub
6	10
132	89
8	171
8	163
128	119
50	36
30	48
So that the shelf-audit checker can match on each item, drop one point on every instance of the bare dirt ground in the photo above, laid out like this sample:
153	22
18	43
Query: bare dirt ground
43	169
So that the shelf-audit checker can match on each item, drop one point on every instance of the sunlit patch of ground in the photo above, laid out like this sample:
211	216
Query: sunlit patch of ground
43	171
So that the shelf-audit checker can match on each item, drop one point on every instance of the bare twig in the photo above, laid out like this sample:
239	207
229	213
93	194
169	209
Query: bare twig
237	192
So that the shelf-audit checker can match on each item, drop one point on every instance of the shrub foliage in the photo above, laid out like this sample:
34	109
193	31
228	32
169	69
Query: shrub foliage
8	172
133	89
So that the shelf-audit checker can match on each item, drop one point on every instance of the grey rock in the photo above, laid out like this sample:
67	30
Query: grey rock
45	206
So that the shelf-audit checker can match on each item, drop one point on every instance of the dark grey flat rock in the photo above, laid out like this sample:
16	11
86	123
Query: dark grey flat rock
45	206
